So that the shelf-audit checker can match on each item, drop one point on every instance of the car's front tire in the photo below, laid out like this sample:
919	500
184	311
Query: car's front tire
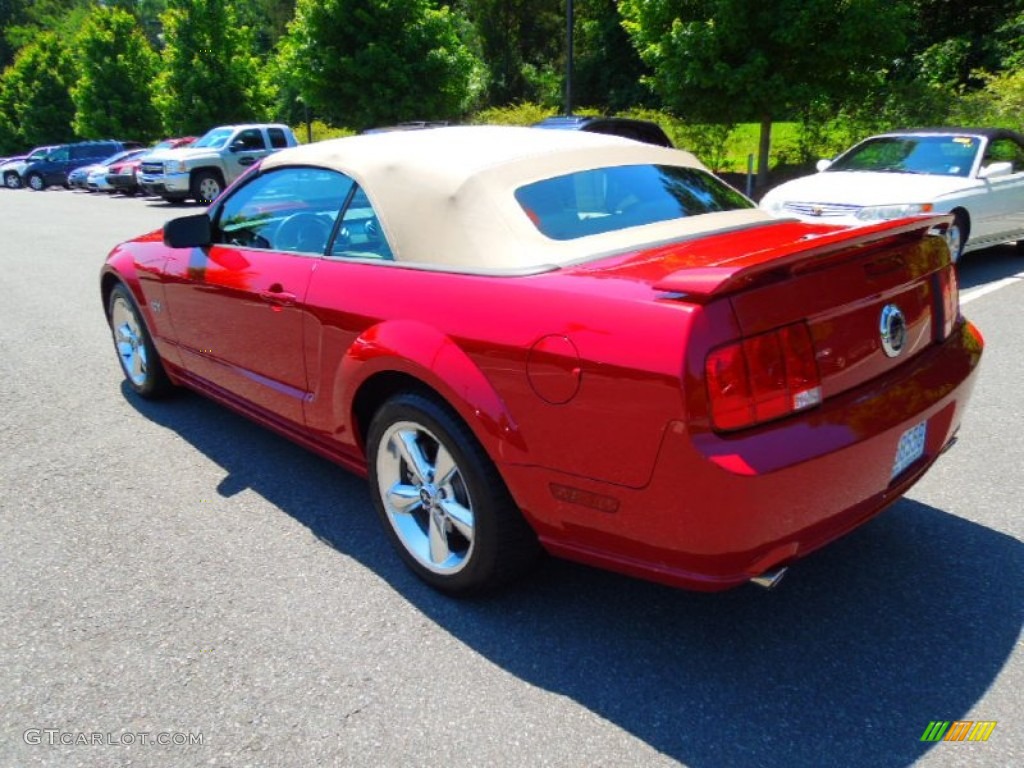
35	182
139	359
441	499
956	236
12	180
206	186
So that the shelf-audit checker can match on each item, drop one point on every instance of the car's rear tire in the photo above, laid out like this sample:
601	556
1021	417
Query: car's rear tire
174	199
140	362
441	499
12	180
207	186
35	182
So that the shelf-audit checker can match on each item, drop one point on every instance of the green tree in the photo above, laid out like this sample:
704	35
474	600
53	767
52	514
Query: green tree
726	61
361	63
608	73
35	106
113	95
523	45
210	74
951	41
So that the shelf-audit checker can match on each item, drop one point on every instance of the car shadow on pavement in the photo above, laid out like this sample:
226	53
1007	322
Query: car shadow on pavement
909	619
990	265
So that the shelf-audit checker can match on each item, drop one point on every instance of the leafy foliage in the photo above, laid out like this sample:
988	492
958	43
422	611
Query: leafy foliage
522	42
210	76
113	97
736	60
362	63
35	105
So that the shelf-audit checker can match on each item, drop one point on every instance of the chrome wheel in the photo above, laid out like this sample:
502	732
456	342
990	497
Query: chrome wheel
955	239
140	362
35	181
12	180
425	497
129	341
207	188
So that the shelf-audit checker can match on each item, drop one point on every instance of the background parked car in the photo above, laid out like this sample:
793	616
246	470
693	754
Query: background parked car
123	175
203	170
97	178
54	168
976	174
12	169
79	178
638	130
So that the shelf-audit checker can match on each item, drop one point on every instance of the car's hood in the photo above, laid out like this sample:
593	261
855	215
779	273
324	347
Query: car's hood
868	188
185	153
85	170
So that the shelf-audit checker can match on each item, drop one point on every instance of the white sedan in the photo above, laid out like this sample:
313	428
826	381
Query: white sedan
975	174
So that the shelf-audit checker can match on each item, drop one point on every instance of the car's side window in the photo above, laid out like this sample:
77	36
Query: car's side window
360	235
277	138
285	209
249	139
1006	150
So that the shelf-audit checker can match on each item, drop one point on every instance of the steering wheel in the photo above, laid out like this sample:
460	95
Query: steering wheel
305	232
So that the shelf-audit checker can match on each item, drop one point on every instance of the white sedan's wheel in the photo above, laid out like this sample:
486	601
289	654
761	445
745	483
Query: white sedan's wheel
955	235
442	501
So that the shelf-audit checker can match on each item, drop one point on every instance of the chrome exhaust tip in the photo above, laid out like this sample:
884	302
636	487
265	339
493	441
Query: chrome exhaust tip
770	578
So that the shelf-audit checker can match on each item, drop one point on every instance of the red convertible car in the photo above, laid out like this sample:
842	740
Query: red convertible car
544	340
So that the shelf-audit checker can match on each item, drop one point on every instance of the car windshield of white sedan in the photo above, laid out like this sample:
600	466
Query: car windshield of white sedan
940	155
607	199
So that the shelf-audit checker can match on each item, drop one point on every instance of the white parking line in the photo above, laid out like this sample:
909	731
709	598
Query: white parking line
982	290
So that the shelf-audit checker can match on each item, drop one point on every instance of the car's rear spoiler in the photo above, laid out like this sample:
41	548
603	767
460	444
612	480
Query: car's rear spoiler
701	284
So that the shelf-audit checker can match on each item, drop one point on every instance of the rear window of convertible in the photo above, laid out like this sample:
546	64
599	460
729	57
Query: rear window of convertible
607	199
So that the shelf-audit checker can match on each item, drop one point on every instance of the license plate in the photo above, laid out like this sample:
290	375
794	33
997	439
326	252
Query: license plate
910	448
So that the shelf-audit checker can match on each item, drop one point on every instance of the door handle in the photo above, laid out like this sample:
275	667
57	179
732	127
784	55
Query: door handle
276	294
246	160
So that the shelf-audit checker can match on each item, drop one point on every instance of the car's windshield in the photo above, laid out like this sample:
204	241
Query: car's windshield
215	139
608	199
951	155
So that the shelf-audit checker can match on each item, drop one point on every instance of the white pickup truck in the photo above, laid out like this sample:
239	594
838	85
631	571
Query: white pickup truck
202	170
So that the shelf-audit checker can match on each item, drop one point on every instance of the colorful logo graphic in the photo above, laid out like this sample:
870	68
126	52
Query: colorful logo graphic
959	730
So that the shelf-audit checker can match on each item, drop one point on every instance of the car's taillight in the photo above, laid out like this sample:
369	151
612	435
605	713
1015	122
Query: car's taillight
950	290
762	378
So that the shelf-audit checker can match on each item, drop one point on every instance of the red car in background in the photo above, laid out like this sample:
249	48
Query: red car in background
563	341
122	175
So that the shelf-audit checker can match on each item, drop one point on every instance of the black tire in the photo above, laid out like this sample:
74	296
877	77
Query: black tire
12	180
35	182
956	235
207	186
174	199
460	533
140	362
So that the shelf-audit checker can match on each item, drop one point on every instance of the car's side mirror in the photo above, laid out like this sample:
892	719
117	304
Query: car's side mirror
189	232
993	170
823	165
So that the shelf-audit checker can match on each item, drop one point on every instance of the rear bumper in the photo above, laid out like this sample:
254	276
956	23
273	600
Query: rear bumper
719	510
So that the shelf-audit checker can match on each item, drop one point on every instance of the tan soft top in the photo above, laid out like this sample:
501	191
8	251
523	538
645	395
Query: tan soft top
445	196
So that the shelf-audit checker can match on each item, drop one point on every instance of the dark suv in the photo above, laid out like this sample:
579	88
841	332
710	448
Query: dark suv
638	130
54	168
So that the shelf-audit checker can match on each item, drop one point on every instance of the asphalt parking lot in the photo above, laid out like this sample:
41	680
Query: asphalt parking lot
183	588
